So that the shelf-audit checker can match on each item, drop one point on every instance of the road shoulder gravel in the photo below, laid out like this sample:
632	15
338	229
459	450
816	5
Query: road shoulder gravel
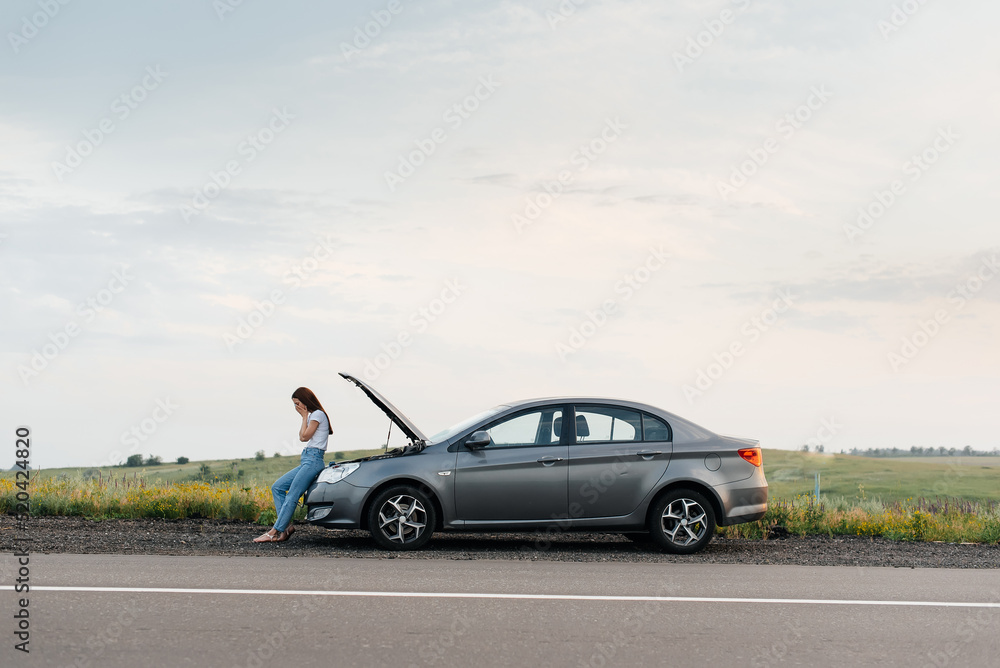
77	535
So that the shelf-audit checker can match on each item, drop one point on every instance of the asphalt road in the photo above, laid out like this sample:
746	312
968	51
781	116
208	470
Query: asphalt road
303	611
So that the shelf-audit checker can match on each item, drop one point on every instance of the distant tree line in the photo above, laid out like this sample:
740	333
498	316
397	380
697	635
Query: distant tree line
917	451
152	460
137	460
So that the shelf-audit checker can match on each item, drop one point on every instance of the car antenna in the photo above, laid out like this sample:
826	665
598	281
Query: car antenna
387	436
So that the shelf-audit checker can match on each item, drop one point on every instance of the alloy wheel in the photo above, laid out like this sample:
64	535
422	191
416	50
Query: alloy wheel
402	519
684	522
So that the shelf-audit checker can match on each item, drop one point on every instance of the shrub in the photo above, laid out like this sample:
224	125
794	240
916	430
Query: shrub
134	460
259	456
154	461
948	520
183	460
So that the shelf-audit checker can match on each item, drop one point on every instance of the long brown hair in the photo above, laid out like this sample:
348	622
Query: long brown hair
309	400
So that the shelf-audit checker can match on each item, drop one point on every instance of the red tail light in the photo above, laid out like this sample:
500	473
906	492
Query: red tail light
752	455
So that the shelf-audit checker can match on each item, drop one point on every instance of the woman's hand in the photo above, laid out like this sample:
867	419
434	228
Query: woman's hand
308	427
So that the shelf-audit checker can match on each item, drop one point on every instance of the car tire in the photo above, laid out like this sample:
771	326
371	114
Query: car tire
682	522
401	518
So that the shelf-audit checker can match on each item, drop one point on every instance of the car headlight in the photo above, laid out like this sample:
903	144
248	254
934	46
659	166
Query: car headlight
337	473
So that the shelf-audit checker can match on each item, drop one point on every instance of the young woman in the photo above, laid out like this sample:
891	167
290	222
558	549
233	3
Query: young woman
314	432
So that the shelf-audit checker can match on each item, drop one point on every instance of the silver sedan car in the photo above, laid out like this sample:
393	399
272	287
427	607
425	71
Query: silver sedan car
564	463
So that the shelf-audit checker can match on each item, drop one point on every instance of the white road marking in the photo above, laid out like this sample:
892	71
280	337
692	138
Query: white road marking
520	597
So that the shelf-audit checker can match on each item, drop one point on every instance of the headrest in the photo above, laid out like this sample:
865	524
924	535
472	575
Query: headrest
656	433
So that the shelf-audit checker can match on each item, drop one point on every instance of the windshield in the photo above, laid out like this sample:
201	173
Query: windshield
456	429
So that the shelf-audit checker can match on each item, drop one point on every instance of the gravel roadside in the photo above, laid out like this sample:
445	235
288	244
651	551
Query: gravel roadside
77	535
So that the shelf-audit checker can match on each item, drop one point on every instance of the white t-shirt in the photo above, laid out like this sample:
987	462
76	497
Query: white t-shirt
322	433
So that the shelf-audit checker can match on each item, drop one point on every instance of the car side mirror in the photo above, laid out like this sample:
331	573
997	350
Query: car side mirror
479	439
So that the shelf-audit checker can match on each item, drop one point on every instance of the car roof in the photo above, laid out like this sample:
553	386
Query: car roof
609	401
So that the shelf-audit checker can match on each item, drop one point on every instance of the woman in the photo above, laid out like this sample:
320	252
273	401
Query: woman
314	432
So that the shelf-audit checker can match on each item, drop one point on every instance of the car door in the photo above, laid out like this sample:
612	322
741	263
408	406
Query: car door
520	475
617	456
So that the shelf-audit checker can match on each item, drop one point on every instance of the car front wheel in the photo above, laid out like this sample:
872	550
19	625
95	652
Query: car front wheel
682	522
401	518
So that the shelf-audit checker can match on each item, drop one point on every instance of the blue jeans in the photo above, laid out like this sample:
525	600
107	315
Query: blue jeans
289	487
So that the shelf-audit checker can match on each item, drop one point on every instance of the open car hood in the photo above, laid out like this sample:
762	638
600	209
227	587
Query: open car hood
398	418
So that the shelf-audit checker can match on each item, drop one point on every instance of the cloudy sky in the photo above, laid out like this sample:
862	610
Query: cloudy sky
774	218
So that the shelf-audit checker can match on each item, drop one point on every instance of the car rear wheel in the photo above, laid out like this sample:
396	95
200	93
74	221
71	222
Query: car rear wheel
682	522
401	518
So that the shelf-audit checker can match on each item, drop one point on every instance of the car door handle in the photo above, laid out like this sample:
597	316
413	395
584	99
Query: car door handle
648	453
549	461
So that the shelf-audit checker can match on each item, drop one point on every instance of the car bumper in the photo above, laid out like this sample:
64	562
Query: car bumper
744	501
335	505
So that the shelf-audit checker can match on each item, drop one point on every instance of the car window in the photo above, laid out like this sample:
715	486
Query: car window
654	429
538	427
601	424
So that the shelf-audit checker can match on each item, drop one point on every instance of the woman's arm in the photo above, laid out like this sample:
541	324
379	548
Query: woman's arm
307	430
308	427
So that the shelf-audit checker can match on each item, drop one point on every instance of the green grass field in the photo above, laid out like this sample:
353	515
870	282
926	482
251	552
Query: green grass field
790	474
